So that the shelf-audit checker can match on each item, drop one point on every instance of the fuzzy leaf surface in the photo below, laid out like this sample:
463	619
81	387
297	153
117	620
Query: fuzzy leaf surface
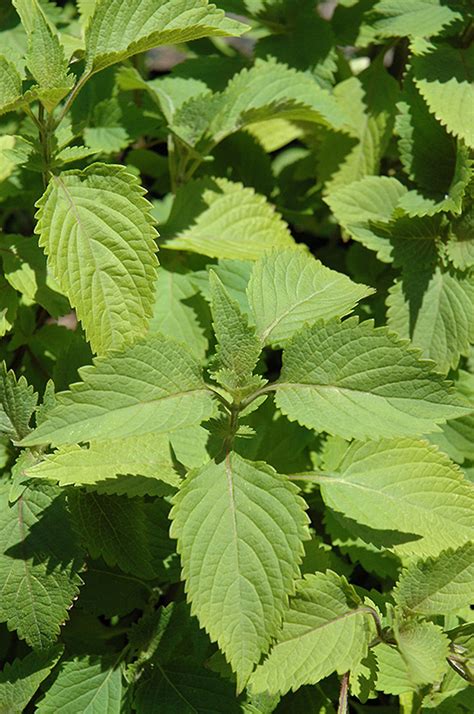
96	229
153	386
325	384
10	86
240	528
20	679
415	18
424	648
18	401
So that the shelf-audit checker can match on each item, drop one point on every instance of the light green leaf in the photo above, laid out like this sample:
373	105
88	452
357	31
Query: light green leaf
434	311
121	28
130	533
45	58
152	386
20	679
325	629
227	220
87	684
10	86
8	306
240	528
290	288
369	102
233	274
362	204
238	347
96	228
38	568
444	78
392	675
173	316
403	485
147	456
18	400
325	383
457	435
439	585
424	648
460	248
415	18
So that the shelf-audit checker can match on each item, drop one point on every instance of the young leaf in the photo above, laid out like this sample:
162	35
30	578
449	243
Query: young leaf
87	684
20	680
438	585
444	78
121	28
96	228
325	629
238	345
18	400
103	461
392	677
403	485
290	288
10	86
415	18
238	578
154	386
39	563
424	649
325	383
228	221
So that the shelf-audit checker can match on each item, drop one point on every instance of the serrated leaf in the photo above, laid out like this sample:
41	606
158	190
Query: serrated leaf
362	204
460	248
126	532
444	78
439	585
434	311
237	577
403	485
39	564
290	288
227	220
424	649
147	456
184	686
88	684
457	435
238	347
325	629
10	86
20	679
415	18
153	386
96	229
121	28
18	400
392	675
325	384
369	100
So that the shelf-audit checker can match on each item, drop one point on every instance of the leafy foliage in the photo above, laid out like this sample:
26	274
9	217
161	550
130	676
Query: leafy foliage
237	478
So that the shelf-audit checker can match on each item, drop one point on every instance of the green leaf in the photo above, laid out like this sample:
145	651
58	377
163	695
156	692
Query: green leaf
8	306
438	585
20	679
434	311
288	289
10	86
87	684
325	629
96	228
457	435
39	563
238	577
153	386
444	78
325	384
361	204
227	220
238	347
121	28
184	686
424	648
403	485
369	100
392	675
147	456
45	58
415	18
18	400
126	532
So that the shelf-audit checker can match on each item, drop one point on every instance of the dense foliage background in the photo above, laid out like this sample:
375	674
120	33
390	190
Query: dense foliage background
301	161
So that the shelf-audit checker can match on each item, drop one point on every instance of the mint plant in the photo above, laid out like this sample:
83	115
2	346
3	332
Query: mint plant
237	379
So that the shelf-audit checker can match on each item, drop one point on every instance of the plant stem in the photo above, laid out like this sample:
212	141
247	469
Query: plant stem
45	139
343	700
72	96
